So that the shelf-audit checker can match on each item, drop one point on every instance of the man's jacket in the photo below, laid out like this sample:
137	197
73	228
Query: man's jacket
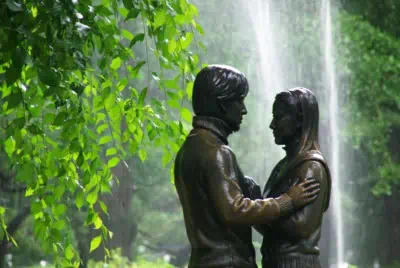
217	214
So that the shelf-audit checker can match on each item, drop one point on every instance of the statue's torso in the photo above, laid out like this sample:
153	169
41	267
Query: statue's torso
213	243
283	249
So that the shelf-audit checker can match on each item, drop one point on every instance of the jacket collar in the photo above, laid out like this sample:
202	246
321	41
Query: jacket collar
213	124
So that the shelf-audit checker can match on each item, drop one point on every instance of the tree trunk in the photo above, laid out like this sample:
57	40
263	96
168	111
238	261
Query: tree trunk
121	220
12	227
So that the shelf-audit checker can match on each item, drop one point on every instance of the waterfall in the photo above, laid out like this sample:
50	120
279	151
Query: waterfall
334	126
282	62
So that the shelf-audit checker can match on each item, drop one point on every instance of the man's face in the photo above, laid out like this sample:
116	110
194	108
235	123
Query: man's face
234	112
284	123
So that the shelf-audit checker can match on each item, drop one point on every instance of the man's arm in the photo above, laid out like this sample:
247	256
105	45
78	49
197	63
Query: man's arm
250	188
233	207
304	222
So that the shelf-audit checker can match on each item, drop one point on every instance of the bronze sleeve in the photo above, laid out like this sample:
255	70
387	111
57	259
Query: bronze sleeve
222	179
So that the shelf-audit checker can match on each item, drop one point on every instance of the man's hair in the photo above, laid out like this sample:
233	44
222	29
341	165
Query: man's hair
304	104
217	83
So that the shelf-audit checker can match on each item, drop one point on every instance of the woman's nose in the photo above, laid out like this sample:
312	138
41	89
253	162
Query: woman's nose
244	110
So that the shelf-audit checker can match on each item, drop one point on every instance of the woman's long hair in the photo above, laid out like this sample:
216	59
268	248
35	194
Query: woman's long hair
303	102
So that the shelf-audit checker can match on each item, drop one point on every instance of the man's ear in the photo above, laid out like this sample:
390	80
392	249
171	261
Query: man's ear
222	105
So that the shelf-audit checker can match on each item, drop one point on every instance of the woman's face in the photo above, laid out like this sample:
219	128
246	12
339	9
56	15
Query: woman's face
284	123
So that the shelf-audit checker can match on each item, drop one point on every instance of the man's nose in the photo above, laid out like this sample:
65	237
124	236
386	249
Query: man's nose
272	125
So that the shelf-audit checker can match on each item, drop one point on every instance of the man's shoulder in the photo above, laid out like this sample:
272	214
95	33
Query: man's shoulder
222	150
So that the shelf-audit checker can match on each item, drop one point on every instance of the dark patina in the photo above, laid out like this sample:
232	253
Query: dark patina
214	193
291	241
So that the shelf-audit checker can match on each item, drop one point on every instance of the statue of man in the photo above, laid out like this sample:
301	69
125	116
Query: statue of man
291	241
208	178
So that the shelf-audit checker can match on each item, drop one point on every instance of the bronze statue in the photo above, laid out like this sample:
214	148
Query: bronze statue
208	178
291	241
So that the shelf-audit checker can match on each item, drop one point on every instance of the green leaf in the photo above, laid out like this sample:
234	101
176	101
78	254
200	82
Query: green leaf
78	89
95	243
113	162
133	13
102	128
186	115
189	90
12	74
102	10
122	84
79	199
59	191
116	63
166	158
60	209
136	38
18	123
2	210
5	91
159	18
111	151
9	145
92	196
29	191
172	46
127	34
59	225
124	12
97	222
103	207
105	139
69	252
179	19
185	42
142	155
136	69
14	100
60	118
49	76
142	97
35	130
36	207
174	103
14	6
172	84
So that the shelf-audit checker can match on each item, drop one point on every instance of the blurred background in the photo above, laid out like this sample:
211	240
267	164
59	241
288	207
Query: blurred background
348	53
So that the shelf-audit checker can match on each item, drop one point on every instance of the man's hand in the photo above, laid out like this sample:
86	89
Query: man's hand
304	193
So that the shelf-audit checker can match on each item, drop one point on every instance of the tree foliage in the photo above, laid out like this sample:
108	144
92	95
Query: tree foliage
69	82
372	70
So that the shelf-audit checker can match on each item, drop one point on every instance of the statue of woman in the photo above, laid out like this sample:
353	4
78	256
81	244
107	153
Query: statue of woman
291	242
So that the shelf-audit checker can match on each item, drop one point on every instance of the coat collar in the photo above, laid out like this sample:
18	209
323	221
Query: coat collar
213	124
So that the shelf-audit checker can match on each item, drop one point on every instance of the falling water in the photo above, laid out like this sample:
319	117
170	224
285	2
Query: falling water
269	82
334	122
282	63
